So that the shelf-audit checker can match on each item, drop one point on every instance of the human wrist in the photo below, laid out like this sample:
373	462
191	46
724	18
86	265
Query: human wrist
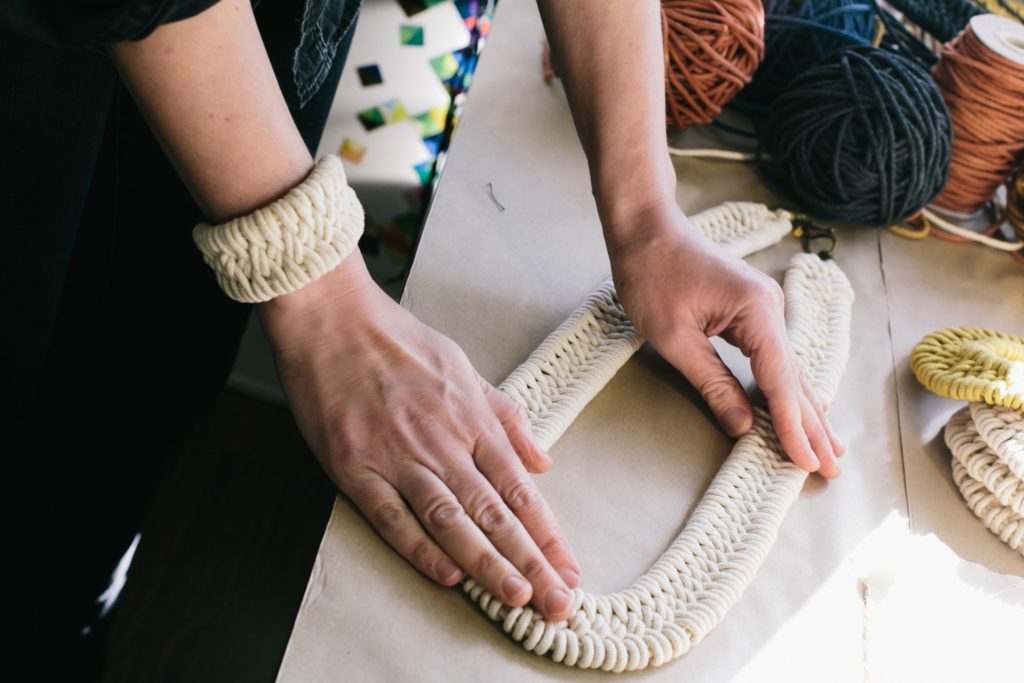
629	201
347	286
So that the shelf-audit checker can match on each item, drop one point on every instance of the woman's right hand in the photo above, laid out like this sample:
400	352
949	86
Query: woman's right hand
434	456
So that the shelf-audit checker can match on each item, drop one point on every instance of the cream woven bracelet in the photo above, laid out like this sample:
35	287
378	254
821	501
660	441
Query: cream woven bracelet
288	243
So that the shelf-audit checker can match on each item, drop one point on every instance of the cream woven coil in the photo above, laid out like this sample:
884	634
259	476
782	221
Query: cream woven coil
979	435
702	574
285	245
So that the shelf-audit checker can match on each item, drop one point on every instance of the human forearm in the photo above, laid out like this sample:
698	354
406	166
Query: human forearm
610	59
433	455
206	86
677	286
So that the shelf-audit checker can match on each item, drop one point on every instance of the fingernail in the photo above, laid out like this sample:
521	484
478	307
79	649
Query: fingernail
734	420
446	570
571	578
514	586
556	600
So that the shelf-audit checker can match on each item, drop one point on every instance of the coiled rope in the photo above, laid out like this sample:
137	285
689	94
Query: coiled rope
941	18
863	137
705	570
985	437
711	51
984	92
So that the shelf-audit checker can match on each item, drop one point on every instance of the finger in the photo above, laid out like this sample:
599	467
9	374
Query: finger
697	359
775	371
817	436
381	504
446	520
817	428
513	418
496	462
549	594
822	409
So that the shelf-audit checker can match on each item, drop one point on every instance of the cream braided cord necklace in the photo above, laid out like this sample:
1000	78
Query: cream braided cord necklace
705	570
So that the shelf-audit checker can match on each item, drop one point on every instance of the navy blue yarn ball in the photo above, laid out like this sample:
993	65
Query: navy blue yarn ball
799	33
863	137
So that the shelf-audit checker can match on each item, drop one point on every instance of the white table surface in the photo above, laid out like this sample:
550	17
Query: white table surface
634	464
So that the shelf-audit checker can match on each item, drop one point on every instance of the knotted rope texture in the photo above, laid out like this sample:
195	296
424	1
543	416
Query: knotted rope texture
985	437
705	570
288	243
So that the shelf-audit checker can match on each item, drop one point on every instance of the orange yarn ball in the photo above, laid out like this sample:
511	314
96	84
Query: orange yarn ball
712	48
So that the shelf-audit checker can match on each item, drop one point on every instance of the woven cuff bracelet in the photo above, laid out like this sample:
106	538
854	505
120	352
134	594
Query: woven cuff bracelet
288	243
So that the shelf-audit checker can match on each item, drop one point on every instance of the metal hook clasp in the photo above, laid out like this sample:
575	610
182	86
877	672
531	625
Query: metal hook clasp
809	232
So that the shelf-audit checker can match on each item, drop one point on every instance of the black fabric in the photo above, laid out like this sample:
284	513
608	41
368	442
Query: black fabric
116	337
92	23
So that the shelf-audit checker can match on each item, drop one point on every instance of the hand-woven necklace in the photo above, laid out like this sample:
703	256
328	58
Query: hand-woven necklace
703	573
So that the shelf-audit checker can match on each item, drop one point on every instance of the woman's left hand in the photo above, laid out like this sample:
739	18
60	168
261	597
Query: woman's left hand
679	288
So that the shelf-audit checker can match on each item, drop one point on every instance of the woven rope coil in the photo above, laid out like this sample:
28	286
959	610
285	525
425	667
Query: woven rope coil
982	463
705	570
972	364
985	437
1003	431
288	243
989	486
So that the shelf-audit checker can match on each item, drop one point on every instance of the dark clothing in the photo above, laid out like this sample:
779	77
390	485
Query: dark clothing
116	337
93	24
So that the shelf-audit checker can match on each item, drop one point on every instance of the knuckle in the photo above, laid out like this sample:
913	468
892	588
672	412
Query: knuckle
534	568
522	497
489	428
517	414
388	516
423	419
768	294
421	551
787	431
716	386
443	512
554	547
495	518
485	561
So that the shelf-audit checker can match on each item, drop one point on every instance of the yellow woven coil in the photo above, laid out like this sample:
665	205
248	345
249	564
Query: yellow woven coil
972	364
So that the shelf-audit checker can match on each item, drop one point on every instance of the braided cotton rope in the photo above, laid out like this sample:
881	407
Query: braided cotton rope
992	491
982	463
1003	431
705	570
986	437
288	243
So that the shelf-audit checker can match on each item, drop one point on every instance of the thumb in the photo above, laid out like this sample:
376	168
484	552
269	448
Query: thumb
697	359
517	426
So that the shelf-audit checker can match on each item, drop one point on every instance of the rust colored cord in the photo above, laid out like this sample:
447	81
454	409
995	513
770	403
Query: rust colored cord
983	91
1015	201
1015	206
712	48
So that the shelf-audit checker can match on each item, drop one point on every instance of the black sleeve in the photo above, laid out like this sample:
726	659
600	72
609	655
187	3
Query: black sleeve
92	23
